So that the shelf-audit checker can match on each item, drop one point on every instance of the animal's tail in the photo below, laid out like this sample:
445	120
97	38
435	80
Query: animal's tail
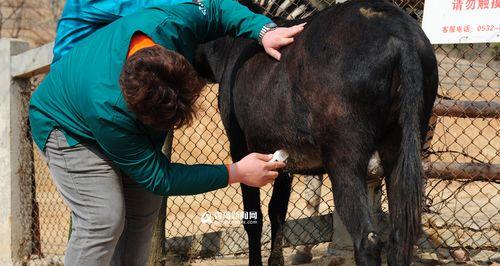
406	180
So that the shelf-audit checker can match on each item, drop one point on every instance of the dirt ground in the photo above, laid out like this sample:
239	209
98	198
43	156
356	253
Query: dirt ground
473	206
338	258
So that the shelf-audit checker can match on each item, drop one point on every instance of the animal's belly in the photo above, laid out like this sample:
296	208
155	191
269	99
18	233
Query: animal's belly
304	157
272	118
303	161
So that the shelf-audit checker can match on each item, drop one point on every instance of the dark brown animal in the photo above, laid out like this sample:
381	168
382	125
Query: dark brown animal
361	78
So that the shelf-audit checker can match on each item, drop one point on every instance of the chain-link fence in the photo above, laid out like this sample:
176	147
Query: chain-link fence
461	219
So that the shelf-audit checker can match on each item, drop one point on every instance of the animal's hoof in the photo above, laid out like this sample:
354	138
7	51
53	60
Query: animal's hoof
276	260
301	257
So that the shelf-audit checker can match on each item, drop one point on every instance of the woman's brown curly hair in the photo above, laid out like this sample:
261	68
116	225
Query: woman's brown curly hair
161	87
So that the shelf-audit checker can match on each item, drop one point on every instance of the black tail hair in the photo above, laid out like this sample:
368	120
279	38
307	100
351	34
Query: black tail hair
406	180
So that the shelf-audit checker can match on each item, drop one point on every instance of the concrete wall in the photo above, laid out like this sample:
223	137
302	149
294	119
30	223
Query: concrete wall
16	165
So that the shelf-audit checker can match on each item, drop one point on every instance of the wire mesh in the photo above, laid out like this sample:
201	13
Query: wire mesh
462	215
45	217
461	219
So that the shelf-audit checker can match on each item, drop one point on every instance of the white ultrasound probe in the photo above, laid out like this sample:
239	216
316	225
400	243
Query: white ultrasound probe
279	156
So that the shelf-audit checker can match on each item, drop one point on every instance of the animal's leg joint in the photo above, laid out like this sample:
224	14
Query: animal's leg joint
372	238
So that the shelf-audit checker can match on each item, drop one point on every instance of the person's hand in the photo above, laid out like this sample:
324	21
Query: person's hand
254	170
275	39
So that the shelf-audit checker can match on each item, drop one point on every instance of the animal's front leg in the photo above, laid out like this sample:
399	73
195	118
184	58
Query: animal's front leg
252	222
277	213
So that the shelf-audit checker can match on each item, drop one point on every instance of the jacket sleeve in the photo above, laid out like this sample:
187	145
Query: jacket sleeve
133	152
228	17
78	20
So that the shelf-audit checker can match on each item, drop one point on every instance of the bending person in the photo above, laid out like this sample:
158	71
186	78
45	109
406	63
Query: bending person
80	19
102	113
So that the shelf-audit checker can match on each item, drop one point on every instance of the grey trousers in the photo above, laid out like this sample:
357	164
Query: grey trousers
112	215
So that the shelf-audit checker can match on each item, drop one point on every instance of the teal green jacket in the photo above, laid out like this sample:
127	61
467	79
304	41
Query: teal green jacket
80	18
81	95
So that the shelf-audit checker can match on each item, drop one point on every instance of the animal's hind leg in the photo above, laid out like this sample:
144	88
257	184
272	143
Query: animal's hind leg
346	162
277	213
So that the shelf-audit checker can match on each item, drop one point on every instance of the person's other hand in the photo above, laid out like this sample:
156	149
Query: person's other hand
276	39
254	170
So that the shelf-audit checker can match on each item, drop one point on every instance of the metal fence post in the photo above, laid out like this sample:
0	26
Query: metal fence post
14	232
